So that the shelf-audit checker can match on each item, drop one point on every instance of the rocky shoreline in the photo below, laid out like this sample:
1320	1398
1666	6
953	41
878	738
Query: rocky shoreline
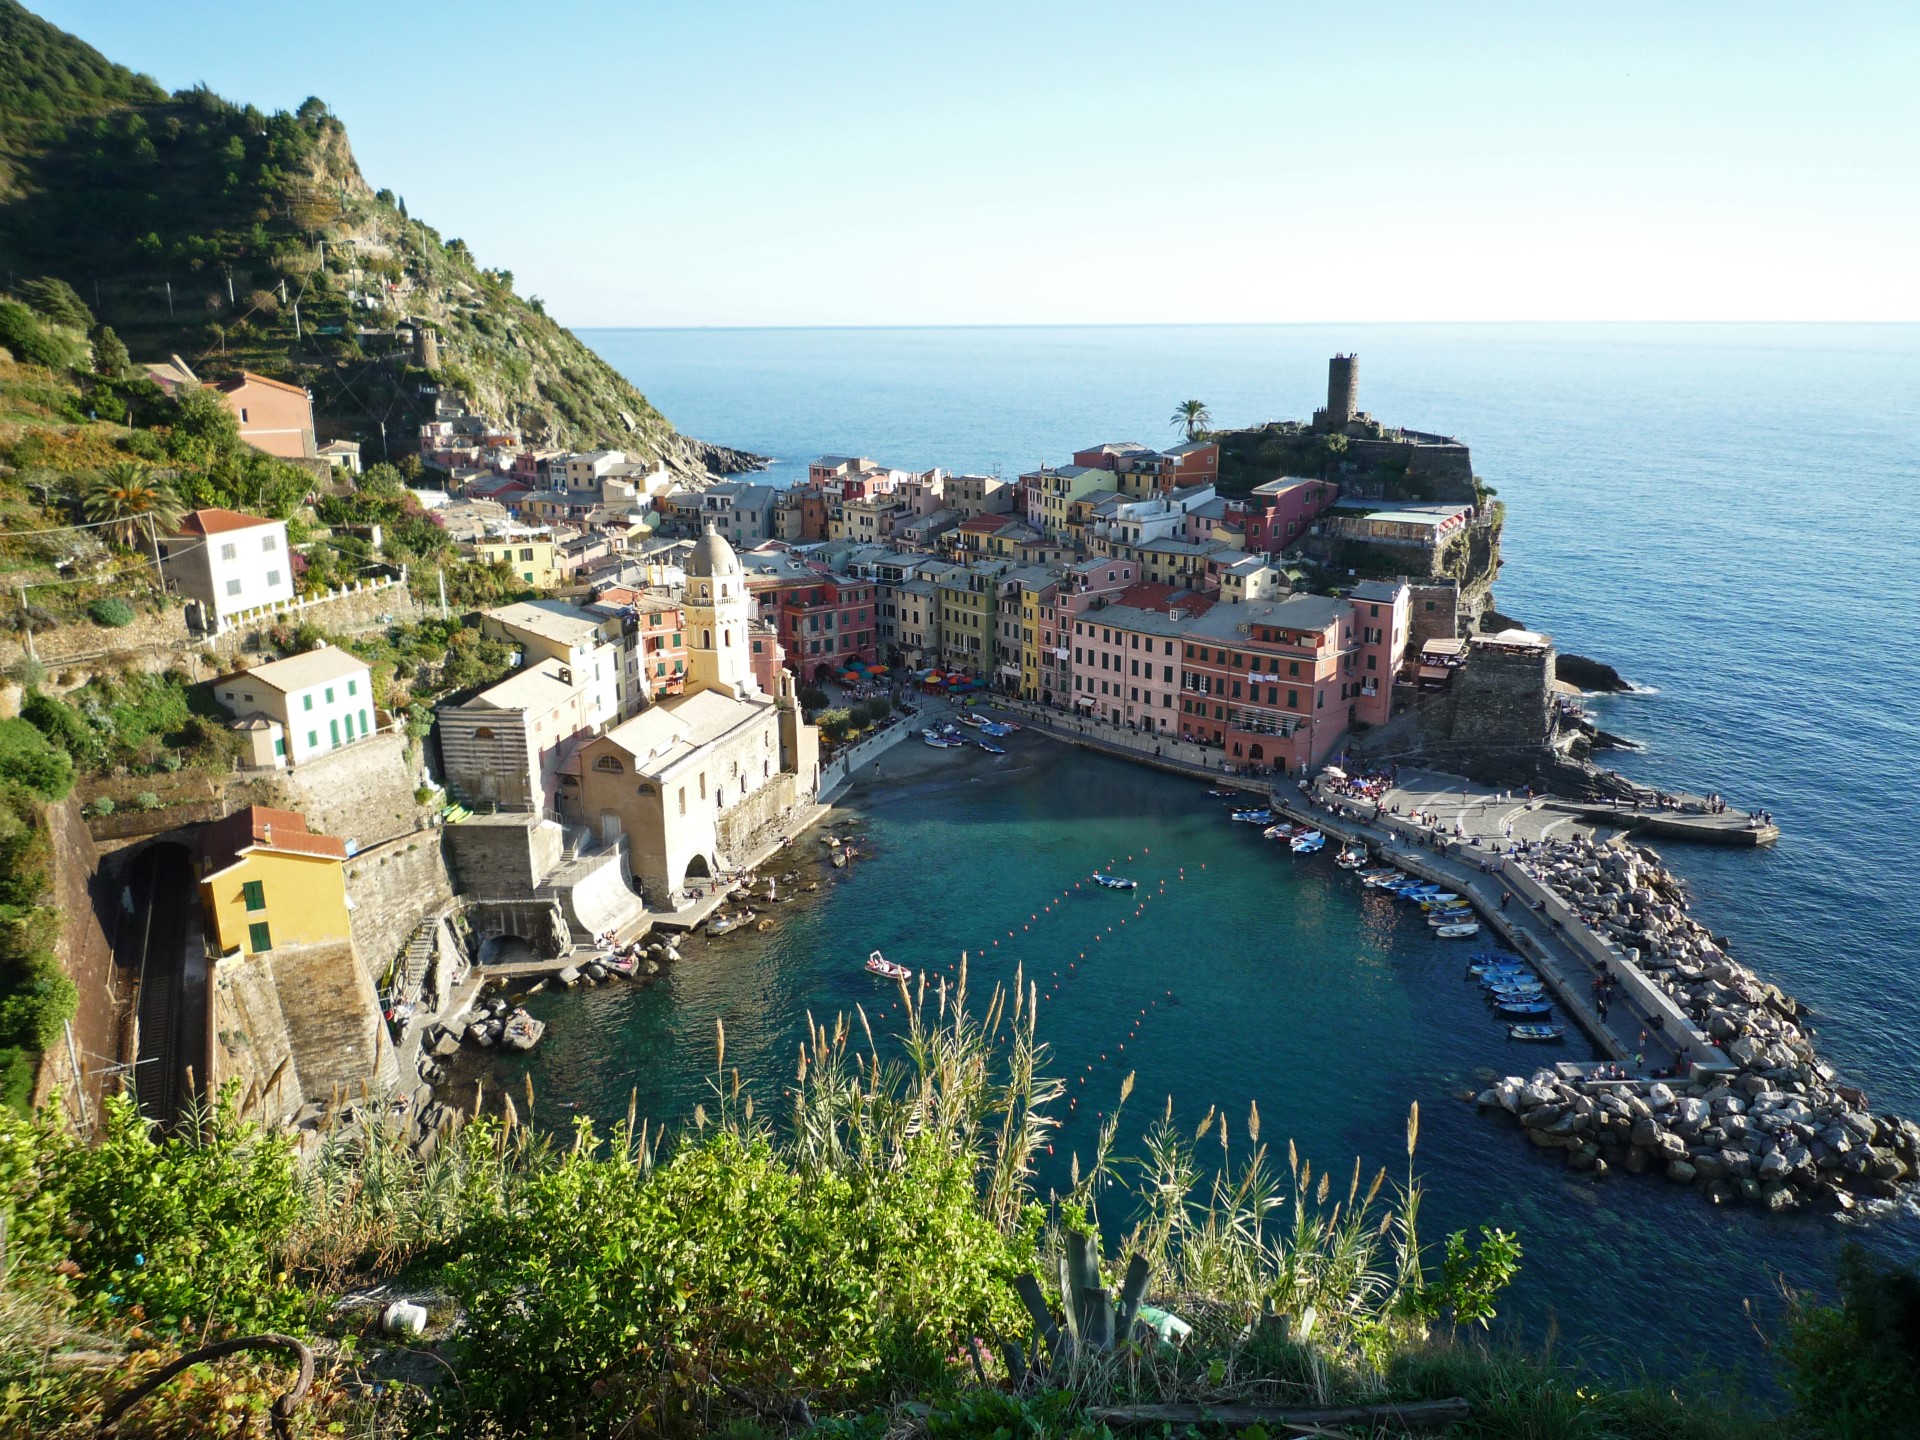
1763	1119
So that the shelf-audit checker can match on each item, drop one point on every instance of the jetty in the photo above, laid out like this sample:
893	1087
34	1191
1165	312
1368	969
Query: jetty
1689	818
1534	921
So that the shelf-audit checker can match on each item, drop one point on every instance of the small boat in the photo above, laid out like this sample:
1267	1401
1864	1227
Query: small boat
990	747
1376	878
996	729
1449	917
1503	975
522	1031
1516	990
1219	794
1281	831
1107	881
1445	897
622	962
726	924
1537	1034
1311	843
1458	932
1350	859
878	964
1252	817
939	741
1523	1009
969	718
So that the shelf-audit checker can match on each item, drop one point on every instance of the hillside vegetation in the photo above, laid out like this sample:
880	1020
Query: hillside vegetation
192	225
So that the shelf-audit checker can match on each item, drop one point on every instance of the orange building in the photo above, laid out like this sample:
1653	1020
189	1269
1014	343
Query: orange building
274	416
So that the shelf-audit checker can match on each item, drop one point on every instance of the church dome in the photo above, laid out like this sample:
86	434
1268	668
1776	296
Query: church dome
712	557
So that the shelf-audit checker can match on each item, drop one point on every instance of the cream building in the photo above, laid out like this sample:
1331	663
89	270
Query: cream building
302	707
697	783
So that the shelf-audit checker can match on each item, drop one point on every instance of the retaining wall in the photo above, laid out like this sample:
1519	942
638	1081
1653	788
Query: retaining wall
394	886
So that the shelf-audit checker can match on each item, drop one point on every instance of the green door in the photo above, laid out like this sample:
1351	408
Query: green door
334	726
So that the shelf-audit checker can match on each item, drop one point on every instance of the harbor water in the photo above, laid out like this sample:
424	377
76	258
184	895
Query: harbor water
1724	513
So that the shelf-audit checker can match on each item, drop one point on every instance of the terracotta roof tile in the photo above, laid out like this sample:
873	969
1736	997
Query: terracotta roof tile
259	828
218	522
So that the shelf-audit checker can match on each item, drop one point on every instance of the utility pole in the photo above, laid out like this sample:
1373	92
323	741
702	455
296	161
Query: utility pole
170	299
230	299
439	573
296	321
153	538
27	617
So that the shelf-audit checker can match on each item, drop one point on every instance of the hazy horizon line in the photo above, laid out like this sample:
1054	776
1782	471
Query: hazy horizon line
1248	324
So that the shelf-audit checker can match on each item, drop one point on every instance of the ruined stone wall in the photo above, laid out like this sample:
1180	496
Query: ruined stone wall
352	613
1437	472
392	888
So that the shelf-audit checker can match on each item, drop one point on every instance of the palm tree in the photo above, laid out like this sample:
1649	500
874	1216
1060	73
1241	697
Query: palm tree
1194	415
126	496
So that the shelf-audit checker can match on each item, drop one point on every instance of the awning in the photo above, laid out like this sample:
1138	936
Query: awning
1335	771
1086	700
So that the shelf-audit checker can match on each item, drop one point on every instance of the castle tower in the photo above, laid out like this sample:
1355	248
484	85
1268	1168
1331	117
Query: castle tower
1343	390
718	653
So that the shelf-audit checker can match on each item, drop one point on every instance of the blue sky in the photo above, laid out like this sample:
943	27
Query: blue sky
713	163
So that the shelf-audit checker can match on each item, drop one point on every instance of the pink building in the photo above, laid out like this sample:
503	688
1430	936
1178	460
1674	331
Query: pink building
1127	656
1280	511
1382	621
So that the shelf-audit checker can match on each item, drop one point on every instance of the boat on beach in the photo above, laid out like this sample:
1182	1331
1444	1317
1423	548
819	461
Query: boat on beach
1279	831
941	742
996	728
990	747
878	964
726	924
1106	880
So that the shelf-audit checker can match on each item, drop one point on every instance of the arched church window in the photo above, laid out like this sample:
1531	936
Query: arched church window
609	765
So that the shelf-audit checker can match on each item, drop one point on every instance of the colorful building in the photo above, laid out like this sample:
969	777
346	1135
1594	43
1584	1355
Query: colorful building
1271	682
300	708
526	550
1127	656
266	883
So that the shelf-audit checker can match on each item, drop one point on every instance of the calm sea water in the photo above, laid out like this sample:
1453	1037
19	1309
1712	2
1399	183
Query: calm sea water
1726	513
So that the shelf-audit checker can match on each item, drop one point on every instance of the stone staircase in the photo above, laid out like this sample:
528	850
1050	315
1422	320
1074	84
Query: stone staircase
413	971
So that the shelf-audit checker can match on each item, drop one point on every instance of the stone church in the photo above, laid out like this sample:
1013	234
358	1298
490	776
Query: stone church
701	781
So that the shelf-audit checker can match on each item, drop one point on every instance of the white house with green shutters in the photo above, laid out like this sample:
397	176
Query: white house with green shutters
300	708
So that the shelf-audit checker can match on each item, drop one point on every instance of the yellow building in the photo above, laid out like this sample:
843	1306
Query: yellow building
267	882
525	550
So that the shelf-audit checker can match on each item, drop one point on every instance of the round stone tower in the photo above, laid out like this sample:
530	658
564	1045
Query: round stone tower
1343	390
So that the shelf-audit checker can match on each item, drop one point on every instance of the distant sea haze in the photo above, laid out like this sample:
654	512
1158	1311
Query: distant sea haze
1726	513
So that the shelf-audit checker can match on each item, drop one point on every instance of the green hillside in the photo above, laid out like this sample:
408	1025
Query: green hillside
191	225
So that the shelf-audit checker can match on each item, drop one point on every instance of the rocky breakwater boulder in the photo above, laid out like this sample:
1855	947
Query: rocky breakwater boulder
1779	1130
1741	1139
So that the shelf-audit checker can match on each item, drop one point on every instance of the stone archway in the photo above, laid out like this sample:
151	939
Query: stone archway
699	868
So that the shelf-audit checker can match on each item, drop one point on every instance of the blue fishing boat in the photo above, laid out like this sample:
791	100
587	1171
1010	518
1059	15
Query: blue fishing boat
990	747
1523	1009
1253	817
1108	881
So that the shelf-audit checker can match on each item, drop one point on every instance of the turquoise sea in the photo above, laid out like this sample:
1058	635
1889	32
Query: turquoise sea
1728	514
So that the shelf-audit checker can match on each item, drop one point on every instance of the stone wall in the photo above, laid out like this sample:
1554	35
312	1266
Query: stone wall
1503	700
1442	471
350	612
251	1044
337	1035
743	828
393	887
503	856
1441	622
362	792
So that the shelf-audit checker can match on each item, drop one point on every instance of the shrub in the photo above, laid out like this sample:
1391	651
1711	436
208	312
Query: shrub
28	758
22	332
101	806
812	697
27	672
61	724
112	613
1853	1369
146	800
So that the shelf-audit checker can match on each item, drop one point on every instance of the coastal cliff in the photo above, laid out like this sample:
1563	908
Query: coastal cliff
189	225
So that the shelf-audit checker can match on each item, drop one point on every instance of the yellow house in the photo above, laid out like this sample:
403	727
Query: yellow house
526	551
266	881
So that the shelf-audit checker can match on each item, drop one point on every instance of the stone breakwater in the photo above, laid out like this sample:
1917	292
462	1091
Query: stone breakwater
1762	1119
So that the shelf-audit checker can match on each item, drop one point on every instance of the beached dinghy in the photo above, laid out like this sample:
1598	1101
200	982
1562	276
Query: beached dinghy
1311	843
1458	932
